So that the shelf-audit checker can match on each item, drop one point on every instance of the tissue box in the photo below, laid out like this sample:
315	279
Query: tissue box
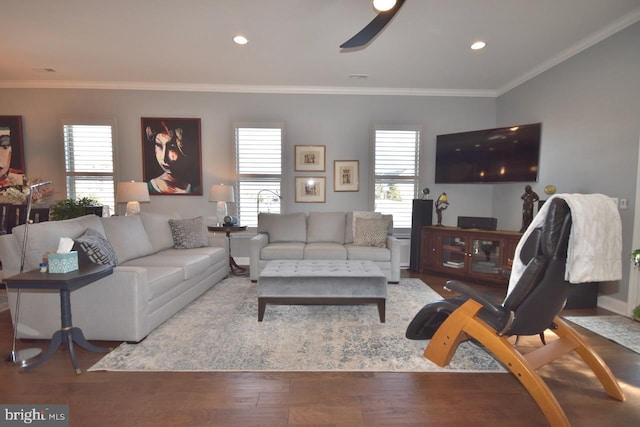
63	263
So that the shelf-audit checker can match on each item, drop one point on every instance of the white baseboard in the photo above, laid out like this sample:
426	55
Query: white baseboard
613	304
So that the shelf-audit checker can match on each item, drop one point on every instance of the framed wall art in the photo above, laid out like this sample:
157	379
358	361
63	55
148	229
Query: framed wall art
345	175
310	189
310	158
171	156
11	148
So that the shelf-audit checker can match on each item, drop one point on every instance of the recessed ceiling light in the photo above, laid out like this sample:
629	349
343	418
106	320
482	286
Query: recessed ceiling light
240	40
478	45
383	5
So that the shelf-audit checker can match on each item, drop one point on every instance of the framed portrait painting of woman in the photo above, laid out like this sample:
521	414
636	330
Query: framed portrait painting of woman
171	155
11	150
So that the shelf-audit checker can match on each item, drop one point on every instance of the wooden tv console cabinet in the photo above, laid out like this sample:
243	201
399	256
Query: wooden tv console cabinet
468	253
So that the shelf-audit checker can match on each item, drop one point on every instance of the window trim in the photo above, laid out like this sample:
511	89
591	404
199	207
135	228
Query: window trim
372	163
100	121
283	158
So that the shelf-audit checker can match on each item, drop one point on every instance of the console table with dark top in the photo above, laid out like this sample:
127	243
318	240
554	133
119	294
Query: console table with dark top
64	283
233	266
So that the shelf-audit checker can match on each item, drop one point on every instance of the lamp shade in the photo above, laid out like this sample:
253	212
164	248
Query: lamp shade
221	193
133	192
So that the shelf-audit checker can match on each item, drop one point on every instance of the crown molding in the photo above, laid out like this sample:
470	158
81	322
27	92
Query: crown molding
619	25
287	90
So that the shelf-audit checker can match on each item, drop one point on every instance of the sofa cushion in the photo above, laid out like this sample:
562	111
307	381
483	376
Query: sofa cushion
191	264
325	251
290	250
352	217
215	253
127	237
326	227
367	253
158	230
283	227
371	232
189	233
93	247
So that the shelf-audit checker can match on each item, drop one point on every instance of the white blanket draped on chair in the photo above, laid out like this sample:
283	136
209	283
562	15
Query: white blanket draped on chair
595	243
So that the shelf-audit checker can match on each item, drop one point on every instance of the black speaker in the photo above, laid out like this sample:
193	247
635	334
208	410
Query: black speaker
421	216
480	222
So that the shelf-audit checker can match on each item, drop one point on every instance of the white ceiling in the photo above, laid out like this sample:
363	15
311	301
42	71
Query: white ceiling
294	44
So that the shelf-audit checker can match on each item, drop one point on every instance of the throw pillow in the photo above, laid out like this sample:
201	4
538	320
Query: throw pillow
371	232
92	245
188	233
362	214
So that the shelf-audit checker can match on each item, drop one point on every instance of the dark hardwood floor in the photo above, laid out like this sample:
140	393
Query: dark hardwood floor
321	399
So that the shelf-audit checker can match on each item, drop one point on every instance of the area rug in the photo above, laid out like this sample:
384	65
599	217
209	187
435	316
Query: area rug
220	332
618	329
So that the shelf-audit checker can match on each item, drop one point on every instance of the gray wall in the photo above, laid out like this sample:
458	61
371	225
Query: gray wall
589	107
343	123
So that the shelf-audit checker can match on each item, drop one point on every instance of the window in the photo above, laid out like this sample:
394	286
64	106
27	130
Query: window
258	171
88	151
396	173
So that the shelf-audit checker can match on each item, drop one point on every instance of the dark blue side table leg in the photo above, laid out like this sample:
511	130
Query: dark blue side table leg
67	335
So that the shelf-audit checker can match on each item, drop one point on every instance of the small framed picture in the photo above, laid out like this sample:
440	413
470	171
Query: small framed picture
310	189
310	158
345	175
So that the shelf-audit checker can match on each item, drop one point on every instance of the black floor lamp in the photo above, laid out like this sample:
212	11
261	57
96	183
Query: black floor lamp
23	357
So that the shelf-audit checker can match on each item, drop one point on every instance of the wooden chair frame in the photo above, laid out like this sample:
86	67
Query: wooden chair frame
464	323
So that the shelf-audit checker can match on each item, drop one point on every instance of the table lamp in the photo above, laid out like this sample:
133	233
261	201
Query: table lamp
222	194
132	193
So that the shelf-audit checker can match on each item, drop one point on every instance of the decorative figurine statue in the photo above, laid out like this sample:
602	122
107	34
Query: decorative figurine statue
441	204
528	199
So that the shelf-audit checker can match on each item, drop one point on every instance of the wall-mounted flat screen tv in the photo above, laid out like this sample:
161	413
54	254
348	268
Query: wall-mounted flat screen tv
508	154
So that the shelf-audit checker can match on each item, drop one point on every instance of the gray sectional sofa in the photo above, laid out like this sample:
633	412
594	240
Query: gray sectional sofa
151	282
326	236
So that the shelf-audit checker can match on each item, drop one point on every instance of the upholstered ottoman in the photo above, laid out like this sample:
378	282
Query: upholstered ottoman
321	282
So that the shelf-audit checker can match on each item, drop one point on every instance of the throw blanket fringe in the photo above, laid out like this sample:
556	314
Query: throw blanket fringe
595	242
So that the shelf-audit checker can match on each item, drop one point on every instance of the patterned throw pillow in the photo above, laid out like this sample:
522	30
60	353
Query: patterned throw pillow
96	248
188	233
371	232
362	214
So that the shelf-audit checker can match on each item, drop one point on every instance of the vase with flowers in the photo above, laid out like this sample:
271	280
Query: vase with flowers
15	190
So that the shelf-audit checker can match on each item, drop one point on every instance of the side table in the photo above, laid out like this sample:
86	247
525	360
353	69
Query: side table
233	266
64	283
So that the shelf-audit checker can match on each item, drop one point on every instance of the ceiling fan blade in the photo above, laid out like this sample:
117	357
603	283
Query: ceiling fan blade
373	28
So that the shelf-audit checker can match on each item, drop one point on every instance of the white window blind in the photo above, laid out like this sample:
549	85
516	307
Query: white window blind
396	173
89	162
258	167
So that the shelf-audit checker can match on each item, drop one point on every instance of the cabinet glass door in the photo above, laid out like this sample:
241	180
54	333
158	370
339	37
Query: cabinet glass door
485	256
453	252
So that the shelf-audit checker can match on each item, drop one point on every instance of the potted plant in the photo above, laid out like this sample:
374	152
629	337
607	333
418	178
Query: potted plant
635	257
70	208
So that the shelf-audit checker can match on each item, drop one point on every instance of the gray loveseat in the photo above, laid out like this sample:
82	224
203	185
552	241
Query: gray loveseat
151	282
326	236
